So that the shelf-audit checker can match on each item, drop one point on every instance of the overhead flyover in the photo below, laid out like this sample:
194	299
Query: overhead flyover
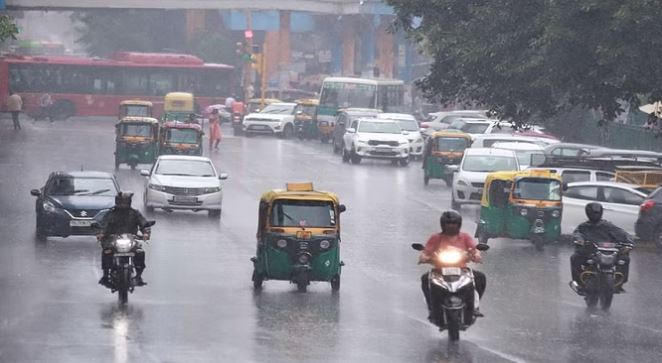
339	7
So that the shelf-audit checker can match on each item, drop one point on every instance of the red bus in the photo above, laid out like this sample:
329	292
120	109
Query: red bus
82	86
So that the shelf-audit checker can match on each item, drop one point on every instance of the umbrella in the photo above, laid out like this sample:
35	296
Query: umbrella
652	108
218	107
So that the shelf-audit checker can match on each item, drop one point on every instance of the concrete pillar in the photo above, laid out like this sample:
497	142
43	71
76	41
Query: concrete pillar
368	41
349	33
385	51
195	22
284	49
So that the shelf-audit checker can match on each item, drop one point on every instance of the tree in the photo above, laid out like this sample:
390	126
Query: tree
8	28
535	59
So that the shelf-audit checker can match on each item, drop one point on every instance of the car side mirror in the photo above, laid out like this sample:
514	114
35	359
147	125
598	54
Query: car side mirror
453	168
144	172
482	247
149	224
350	130
342	208
417	246
223	176
564	186
35	192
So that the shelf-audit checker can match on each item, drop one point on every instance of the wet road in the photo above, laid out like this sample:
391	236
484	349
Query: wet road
200	306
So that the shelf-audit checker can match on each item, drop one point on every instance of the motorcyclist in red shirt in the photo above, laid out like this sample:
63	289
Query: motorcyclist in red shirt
451	222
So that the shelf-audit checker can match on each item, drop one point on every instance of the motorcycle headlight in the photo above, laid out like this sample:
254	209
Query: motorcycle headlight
281	243
556	213
523	212
157	187
450	257
212	190
49	207
303	258
123	244
324	244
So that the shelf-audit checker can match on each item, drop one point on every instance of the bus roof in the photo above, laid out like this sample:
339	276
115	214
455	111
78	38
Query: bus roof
375	81
121	59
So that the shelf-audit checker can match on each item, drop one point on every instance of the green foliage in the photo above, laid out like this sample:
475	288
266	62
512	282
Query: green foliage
536	59
8	28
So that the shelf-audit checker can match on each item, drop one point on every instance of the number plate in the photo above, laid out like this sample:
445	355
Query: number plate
451	271
81	223
184	199
127	254
384	149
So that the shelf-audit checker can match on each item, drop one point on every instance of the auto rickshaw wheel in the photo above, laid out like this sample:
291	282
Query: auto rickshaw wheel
335	283
324	139
257	280
117	163
302	285
426	179
404	162
539	243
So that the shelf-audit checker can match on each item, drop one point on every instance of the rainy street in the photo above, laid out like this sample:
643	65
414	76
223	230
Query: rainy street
200	306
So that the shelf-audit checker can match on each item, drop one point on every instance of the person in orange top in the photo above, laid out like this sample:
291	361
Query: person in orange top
451	236
214	130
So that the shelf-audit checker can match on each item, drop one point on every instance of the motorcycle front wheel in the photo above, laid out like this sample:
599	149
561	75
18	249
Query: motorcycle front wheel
453	324
607	292
124	281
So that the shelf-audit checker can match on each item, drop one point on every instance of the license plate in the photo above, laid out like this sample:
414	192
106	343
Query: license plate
539	230
184	199
122	254
451	271
80	223
384	149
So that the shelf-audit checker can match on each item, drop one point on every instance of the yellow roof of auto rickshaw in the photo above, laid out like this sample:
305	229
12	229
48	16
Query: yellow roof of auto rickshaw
266	100
450	133
308	102
299	191
178	95
144	119
136	103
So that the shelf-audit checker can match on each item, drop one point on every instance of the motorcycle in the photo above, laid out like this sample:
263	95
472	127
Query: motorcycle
453	298
599	276
236	121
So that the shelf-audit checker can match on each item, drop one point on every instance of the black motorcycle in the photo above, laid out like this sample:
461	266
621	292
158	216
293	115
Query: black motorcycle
237	123
453	298
599	276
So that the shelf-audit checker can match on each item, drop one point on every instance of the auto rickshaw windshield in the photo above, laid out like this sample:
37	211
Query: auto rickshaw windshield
136	110
303	213
143	130
538	189
452	144
306	109
182	136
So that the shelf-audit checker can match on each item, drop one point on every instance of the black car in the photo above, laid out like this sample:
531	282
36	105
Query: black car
69	201
649	224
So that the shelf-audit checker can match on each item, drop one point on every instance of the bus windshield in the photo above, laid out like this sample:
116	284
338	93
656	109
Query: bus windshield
344	95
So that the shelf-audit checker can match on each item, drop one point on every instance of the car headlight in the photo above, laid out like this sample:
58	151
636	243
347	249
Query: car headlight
523	212
157	187
123	244
462	183
281	243
212	190
556	213
324	244
49	207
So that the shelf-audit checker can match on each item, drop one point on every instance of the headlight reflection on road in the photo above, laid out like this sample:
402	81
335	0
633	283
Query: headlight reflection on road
120	337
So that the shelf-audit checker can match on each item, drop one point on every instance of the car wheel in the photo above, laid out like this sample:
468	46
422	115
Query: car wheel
288	131
404	162
40	233
356	158
657	238
345	155
148	208
455	205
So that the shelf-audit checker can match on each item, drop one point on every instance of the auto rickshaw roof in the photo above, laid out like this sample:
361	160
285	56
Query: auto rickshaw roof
266	100
136	103
449	134
308	102
299	191
182	125
134	119
178	95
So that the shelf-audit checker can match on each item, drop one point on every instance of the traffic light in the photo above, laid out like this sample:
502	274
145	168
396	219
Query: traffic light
256	62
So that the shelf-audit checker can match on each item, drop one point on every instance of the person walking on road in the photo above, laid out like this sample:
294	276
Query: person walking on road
15	105
46	104
214	130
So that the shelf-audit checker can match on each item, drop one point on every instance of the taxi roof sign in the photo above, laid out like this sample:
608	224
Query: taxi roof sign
299	187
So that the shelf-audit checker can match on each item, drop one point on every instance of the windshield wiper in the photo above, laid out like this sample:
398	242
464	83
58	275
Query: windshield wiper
176	174
99	192
80	191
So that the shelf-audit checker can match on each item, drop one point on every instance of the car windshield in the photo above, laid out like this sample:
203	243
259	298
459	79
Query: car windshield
303	213
489	163
279	109
143	130
182	136
474	128
524	156
185	168
65	186
136	110
379	127
452	144
409	125
537	189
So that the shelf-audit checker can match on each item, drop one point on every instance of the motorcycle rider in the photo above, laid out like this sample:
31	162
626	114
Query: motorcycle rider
451	222
122	219
597	229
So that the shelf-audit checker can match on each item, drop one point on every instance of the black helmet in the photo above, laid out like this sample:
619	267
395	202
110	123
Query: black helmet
594	212
123	200
450	217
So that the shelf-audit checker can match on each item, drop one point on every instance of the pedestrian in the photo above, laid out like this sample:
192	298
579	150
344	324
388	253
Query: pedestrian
15	106
46	104
214	130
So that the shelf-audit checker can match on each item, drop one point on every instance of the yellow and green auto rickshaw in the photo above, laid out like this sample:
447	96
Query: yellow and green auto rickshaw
136	141
303	118
180	138
178	106
136	108
521	205
441	149
298	237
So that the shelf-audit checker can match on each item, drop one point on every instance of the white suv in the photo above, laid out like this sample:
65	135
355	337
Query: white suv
277	118
469	179
408	123
376	139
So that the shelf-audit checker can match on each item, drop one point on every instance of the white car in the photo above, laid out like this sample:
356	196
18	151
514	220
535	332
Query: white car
375	139
572	175
276	118
441	120
620	201
469	177
481	126
524	151
183	182
408	123
487	140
